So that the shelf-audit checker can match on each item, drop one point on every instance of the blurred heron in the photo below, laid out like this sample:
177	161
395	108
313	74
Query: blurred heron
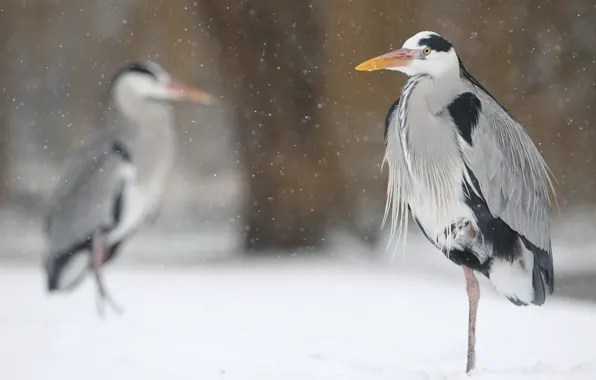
470	176
113	184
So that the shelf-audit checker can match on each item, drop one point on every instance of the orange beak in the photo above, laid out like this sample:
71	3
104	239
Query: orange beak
397	58
183	92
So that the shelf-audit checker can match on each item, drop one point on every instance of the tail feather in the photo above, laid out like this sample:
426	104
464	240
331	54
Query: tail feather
538	284
543	260
55	264
523	281
513	280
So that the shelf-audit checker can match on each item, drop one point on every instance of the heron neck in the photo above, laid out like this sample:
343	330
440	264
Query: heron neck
152	144
444	89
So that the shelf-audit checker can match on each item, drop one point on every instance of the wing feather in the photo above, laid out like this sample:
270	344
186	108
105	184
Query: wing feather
398	185
86	194
512	175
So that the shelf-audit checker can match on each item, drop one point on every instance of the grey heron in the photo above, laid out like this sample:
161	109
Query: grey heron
113	184
469	174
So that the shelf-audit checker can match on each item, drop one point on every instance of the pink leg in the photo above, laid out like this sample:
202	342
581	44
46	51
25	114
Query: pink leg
98	257
473	291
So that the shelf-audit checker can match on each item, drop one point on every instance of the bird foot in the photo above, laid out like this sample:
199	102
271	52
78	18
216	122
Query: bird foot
103	298
459	230
98	258
102	301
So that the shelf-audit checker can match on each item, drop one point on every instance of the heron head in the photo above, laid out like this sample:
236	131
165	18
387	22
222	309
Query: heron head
148	80
424	53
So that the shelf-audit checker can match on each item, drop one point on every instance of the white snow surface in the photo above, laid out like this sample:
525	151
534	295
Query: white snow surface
283	320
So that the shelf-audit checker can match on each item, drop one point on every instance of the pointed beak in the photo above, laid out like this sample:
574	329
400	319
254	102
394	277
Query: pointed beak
183	92
397	58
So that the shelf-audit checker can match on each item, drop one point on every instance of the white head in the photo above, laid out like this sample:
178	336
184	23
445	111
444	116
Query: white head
424	53
146	82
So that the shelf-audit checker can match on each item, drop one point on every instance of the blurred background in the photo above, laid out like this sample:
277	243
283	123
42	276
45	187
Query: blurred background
287	163
292	152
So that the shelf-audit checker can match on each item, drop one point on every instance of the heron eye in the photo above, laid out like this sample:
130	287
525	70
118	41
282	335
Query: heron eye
426	51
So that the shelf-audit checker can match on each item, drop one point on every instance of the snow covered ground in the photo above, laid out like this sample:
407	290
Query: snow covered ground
283	320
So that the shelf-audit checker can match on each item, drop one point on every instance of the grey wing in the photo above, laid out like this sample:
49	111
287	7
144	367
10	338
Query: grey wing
511	173
86	195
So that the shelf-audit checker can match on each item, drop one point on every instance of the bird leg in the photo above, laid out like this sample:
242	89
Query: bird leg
98	257
473	290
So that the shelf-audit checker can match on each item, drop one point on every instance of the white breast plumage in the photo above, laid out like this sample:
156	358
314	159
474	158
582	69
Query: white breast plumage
437	200
435	169
136	203
435	220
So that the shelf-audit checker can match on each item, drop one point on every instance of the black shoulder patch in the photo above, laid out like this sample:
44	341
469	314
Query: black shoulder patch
436	43
390	113
119	149
465	111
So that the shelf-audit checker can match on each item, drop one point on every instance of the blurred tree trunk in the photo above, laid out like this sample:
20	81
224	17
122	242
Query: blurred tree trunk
6	33
271	58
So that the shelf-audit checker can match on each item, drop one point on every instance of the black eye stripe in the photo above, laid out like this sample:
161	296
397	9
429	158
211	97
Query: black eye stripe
436	43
